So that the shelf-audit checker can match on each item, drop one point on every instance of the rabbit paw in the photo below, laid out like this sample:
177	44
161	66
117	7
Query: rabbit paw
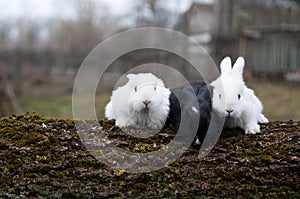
263	119
252	129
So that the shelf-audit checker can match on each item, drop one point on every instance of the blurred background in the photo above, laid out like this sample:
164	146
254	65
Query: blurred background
43	43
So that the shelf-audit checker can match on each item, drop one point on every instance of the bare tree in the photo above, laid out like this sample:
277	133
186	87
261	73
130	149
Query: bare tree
4	37
153	13
73	39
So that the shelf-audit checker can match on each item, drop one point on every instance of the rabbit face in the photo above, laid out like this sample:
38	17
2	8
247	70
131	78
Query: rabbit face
229	99
149	102
145	97
142	101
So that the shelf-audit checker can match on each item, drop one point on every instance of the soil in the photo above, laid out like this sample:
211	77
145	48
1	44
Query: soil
42	157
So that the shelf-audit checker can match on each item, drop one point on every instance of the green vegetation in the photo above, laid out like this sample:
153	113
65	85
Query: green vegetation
58	106
280	99
43	157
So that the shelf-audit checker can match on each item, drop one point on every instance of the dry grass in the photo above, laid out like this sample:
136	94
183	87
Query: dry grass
281	99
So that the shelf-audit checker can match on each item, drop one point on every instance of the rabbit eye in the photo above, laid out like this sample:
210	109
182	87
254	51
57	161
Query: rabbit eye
155	88
135	88
220	96
239	96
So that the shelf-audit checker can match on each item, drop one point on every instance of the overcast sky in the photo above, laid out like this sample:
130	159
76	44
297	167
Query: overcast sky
43	9
34	9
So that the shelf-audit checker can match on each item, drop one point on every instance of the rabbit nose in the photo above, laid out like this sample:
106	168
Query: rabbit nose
146	102
229	110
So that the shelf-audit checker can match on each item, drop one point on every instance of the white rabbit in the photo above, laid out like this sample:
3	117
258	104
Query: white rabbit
234	101
142	102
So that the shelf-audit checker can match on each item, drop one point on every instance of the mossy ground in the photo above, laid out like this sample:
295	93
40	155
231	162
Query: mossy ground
44	157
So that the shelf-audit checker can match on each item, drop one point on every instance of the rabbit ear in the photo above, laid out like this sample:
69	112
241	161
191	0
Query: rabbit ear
238	67
225	66
130	76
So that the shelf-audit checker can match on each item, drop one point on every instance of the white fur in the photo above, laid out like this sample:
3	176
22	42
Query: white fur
126	105
246	110
195	109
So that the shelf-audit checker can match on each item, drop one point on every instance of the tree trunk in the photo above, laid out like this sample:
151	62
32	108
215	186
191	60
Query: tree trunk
9	93
226	30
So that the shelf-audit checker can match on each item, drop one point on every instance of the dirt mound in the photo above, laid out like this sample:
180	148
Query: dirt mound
44	157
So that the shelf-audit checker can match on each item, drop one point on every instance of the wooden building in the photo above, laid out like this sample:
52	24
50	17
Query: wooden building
271	49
